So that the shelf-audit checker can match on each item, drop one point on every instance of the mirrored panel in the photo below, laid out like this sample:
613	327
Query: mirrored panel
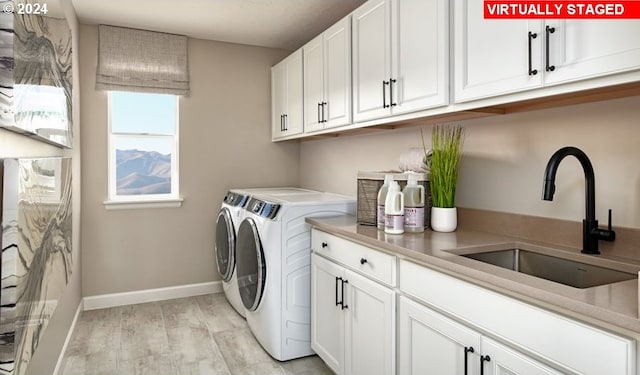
36	73
36	253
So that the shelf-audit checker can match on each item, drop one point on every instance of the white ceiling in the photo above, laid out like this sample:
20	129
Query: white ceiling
286	24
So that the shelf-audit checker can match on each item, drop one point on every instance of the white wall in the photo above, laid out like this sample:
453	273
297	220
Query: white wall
505	157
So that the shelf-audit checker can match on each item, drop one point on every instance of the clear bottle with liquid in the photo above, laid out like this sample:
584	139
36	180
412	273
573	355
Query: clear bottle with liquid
382	197
394	210
413	205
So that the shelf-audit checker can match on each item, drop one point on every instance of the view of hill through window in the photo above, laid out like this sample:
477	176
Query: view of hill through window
142	172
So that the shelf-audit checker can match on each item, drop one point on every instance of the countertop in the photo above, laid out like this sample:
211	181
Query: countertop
612	306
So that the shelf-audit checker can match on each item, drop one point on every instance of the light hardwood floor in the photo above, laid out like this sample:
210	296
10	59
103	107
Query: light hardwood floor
196	335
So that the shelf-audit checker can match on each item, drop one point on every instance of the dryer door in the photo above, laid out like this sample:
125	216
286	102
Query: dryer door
225	244
250	264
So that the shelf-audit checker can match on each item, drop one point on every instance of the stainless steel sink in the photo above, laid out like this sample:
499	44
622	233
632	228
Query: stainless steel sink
565	271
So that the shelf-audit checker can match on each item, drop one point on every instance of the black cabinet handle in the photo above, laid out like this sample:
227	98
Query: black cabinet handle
286	126
324	244
323	112
391	82
384	94
319	109
344	305
363	260
532	72
549	30
483	359
337	279
467	350
281	123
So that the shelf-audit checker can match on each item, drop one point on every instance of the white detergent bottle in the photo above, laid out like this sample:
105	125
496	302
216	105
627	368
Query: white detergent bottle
414	205
382	197
394	210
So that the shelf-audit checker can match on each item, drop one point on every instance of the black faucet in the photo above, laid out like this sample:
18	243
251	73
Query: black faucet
591	234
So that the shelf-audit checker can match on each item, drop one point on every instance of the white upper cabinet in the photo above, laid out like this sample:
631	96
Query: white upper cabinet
420	54
492	56
286	96
313	84
371	60
583	49
497	57
400	57
327	78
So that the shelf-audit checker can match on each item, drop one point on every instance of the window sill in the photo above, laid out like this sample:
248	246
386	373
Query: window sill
132	205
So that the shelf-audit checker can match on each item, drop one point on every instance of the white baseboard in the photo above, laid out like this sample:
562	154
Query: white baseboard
150	295
68	339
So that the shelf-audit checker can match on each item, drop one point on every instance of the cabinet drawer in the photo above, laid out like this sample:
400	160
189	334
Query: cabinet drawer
561	340
370	262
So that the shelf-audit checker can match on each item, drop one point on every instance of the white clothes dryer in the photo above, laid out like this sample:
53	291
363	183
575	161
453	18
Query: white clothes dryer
274	267
227	223
278	191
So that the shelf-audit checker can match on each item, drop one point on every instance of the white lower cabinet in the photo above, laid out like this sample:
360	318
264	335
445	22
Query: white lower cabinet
431	343
327	316
566	345
498	359
369	326
352	318
445	326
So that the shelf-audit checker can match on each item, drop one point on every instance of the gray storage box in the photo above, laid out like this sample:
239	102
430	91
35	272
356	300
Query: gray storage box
369	183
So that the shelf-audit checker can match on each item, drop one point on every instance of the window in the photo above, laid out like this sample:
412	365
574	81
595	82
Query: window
143	147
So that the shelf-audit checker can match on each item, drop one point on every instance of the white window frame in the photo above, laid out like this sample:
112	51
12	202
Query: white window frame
116	201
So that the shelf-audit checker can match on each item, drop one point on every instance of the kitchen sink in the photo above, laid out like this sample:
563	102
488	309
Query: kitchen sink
560	270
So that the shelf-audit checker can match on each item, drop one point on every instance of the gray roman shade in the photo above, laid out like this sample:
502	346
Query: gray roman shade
142	61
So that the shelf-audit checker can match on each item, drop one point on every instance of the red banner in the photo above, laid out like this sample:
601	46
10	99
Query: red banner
562	9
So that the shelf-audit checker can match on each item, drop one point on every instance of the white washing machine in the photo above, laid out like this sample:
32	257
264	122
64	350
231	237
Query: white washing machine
274	267
227	223
229	217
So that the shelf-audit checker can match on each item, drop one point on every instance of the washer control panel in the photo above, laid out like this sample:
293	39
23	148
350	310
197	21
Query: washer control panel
235	199
263	208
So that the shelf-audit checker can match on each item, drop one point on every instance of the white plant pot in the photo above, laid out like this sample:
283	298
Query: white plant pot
444	219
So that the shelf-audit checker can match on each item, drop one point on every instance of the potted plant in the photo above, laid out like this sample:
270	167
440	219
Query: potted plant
446	154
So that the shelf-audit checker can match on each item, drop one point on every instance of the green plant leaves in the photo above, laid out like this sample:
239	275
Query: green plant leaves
446	154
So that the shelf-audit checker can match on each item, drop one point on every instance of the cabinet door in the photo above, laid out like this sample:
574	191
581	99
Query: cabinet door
506	361
430	343
313	84
371	60
337	62
327	319
420	54
369	327
294	113
590	48
491	57
278	97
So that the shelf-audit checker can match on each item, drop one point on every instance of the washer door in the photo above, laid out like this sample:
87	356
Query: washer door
250	264
225	244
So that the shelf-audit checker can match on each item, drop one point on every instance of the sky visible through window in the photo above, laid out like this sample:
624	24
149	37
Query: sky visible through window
143	113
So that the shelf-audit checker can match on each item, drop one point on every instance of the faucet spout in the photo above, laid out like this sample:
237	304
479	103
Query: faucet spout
591	233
